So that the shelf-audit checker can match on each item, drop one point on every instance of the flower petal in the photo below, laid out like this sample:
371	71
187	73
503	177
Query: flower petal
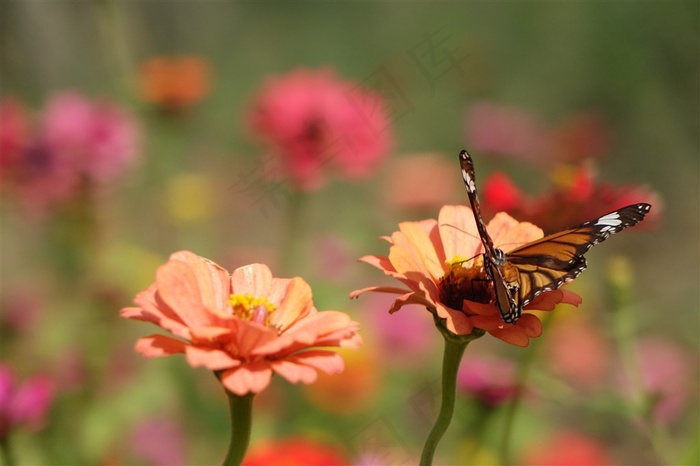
302	367
211	358
519	333
378	289
295	305
155	346
458	232
212	279
252	377
253	279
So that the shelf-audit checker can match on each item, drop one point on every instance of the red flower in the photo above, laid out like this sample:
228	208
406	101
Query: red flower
311	118
295	452
567	448
575	197
439	263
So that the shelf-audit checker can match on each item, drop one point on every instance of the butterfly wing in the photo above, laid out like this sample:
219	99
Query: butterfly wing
548	263
505	288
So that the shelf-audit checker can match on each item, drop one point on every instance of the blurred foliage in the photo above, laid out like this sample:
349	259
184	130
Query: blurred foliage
635	62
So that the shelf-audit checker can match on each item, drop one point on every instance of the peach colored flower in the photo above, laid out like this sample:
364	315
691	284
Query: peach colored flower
440	264
246	325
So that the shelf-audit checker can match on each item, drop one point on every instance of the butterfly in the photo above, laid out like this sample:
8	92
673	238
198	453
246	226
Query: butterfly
546	264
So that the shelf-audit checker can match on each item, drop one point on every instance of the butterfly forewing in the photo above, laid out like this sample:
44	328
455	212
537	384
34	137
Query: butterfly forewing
546	264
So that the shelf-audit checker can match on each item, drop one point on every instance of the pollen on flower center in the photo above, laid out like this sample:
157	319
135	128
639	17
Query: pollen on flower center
250	308
464	279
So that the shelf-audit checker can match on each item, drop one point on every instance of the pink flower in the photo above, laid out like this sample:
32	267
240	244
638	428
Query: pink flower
14	135
77	141
100	139
667	372
403	341
439	264
579	352
245	325
159	442
310	118
432	172
25	404
493	381
514	132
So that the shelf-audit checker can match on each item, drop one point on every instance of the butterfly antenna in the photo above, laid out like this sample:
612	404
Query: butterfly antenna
460	230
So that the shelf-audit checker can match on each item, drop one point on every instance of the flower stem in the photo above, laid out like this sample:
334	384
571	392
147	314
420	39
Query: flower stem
241	410
290	240
454	349
526	362
8	457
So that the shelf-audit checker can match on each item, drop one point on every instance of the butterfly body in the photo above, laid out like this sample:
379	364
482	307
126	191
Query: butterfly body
525	272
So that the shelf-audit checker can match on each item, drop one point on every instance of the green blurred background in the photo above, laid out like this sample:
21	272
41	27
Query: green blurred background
634	62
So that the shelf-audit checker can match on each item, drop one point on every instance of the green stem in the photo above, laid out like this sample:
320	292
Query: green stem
452	356
291	231
638	404
525	366
241	410
8	457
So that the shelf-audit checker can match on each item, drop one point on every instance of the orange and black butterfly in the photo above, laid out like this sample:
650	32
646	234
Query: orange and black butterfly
546	264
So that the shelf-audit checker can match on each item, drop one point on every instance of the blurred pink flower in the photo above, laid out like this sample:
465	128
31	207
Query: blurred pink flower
245	325
493	381
14	134
402	341
566	448
669	376
579	352
100	139
310	118
514	132
505	130
575	197
23	404
421	181
159	442
77	141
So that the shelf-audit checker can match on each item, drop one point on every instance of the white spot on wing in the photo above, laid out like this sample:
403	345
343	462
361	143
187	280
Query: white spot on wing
612	219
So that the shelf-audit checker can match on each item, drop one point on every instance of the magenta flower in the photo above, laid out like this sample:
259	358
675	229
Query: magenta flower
668	373
23	404
100	138
310	118
514	132
76	140
493	381
159	442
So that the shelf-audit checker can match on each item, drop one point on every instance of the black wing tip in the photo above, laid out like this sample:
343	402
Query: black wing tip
464	155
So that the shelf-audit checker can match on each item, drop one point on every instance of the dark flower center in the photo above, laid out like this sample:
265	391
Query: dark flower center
462	282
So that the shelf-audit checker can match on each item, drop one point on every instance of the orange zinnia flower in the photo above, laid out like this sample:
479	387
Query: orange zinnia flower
175	83
245	325
440	263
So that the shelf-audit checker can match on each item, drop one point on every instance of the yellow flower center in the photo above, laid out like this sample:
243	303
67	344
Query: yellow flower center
465	279
248	307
